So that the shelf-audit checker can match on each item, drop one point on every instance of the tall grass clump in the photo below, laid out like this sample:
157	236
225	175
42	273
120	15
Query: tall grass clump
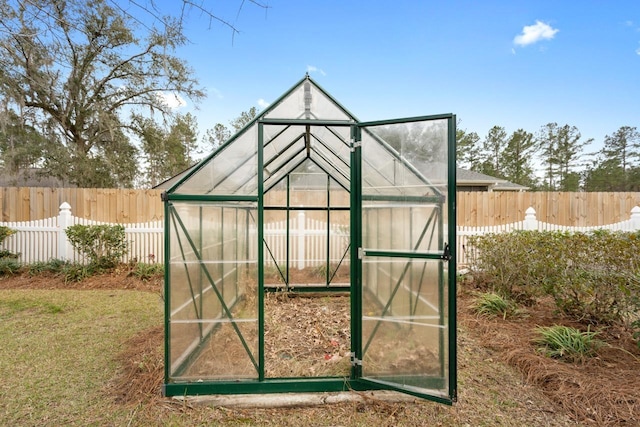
492	304
566	343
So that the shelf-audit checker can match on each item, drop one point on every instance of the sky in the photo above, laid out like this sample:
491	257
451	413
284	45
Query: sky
515	64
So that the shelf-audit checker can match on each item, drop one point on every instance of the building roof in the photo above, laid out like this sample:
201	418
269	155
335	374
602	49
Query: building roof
468	178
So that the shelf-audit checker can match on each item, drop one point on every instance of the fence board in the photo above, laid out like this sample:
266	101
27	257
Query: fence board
474	208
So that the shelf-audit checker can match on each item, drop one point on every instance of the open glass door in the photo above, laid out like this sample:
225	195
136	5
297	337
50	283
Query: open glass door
403	178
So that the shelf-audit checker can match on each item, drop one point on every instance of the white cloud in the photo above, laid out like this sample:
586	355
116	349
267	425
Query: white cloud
171	100
313	69
535	33
638	51
262	103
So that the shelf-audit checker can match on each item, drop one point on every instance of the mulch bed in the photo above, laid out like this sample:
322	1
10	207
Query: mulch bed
602	390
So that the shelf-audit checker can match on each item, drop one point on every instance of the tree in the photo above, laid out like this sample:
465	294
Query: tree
560	149
213	138
468	150
617	164
167	150
516	158
492	151
21	145
74	67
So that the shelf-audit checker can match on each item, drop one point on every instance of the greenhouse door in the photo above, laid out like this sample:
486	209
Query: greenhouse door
403	256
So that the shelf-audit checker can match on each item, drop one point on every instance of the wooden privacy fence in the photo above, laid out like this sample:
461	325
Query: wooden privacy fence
45	239
530	222
473	208
114	205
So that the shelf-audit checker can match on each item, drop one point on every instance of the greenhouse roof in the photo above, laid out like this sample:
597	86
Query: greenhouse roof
305	128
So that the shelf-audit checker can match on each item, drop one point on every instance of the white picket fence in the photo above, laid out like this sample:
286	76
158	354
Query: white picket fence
530	222
45	239
308	242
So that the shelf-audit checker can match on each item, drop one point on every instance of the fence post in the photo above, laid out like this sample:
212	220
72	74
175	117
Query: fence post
64	221
530	221
301	239
635	218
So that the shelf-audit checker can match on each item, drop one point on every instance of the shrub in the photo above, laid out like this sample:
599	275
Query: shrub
567	343
4	233
103	245
515	264
591	276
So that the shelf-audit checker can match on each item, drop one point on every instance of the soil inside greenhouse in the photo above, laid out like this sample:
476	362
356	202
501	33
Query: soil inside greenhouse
602	390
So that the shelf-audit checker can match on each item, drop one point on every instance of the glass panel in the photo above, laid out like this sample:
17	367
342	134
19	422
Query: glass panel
404	323
232	170
315	105
276	229
408	159
213	291
278	140
308	186
397	226
336	139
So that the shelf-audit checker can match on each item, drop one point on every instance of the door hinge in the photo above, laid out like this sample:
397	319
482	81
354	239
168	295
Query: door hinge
361	253
354	360
354	144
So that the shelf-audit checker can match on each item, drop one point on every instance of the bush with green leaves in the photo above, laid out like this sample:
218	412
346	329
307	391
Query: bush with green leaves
103	245
4	233
592	277
566	343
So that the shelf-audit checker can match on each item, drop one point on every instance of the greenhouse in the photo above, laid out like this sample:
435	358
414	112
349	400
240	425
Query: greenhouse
311	253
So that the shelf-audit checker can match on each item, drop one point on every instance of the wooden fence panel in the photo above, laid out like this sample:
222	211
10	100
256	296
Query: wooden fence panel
568	209
99	204
474	208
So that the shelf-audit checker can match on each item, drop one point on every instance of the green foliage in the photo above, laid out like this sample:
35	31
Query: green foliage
103	245
492	304
4	253
74	272
51	266
111	66
9	266
502	263
145	271
591	276
566	343
168	148
5	232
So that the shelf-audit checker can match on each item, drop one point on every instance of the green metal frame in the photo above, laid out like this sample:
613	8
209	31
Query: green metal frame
355	381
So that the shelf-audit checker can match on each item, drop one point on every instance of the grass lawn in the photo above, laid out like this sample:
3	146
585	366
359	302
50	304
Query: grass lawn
58	351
